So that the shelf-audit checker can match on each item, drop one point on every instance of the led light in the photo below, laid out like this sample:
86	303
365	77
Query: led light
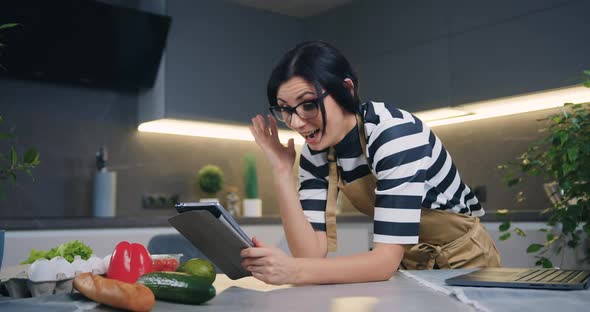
210	130
507	106
440	113
433	118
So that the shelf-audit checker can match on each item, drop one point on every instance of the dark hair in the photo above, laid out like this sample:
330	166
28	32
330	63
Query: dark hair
323	66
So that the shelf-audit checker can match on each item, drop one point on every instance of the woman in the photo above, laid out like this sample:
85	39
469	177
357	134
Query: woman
385	160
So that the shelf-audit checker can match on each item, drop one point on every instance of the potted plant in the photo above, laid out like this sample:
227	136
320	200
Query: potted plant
209	181
252	206
562	159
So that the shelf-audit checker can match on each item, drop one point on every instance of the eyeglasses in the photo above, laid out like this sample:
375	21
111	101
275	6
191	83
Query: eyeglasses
305	110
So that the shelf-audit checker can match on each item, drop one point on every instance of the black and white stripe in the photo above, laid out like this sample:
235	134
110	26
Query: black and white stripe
412	167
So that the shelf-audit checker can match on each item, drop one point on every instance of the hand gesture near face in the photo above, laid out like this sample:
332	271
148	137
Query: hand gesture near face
280	157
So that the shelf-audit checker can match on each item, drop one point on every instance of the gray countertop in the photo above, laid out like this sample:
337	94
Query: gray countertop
405	291
248	294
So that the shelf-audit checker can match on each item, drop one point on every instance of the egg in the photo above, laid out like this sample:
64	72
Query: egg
42	271
80	265
97	265
62	266
107	261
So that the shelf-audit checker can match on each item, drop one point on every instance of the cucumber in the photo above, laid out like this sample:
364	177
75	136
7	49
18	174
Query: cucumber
178	287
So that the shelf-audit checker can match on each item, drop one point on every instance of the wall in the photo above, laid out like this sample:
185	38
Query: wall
68	124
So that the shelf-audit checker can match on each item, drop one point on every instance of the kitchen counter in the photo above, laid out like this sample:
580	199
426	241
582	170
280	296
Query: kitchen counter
405	291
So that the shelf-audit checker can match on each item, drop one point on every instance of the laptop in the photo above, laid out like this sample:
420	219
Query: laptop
524	278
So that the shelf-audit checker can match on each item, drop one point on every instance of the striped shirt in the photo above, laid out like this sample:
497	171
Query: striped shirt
412	167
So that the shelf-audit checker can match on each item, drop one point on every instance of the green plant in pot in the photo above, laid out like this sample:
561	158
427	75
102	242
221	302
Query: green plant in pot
209	181
562	158
252	205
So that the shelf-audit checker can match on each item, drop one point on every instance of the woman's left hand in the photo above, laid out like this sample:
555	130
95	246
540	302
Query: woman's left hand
269	264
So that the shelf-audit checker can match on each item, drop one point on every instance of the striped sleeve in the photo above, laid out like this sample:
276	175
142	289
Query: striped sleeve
399	151
313	189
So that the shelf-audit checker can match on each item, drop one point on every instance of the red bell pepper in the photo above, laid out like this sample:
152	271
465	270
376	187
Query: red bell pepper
129	261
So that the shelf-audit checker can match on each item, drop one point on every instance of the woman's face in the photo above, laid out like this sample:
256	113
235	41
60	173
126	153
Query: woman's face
338	121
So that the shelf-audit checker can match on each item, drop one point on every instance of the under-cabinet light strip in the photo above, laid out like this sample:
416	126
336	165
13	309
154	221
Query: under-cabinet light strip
433	118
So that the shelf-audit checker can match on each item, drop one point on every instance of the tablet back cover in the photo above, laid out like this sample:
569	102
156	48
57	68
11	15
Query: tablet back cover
213	239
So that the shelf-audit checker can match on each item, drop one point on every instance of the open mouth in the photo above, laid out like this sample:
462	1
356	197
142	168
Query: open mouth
310	134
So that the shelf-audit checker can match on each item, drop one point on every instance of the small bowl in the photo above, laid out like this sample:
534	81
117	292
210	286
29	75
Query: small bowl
166	262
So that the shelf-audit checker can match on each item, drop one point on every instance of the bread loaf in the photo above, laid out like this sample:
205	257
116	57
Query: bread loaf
114	293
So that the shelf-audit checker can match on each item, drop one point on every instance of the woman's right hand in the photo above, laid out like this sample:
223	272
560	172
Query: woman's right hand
280	157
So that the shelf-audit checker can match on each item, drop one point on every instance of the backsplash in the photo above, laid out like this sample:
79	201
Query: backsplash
68	125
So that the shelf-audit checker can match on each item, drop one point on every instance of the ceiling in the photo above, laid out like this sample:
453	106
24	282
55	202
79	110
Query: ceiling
296	8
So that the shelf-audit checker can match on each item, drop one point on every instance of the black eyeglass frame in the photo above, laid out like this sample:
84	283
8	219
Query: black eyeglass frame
291	110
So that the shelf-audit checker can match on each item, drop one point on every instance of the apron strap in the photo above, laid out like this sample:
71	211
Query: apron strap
362	137
331	203
333	182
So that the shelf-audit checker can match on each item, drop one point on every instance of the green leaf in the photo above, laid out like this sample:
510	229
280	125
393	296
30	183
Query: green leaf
6	136
534	248
544	262
572	153
9	25
30	155
520	232
13	157
504	226
504	236
550	237
569	225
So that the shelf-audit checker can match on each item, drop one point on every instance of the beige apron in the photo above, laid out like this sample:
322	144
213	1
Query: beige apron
447	240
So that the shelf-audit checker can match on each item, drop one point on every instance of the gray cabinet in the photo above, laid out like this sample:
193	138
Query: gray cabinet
542	49
429	54
218	59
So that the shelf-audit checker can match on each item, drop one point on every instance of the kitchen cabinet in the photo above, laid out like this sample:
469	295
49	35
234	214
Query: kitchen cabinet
217	61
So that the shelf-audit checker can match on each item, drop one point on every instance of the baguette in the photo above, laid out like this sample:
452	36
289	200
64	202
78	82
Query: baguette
114	293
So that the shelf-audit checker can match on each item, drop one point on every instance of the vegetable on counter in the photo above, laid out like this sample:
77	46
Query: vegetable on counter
129	261
165	262
178	287
67	250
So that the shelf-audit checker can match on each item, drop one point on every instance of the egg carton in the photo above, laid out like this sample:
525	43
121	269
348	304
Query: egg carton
42	278
22	287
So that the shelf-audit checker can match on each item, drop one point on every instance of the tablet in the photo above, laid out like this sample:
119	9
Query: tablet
213	231
220	213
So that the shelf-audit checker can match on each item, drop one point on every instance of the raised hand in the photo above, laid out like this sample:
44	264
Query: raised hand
280	157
